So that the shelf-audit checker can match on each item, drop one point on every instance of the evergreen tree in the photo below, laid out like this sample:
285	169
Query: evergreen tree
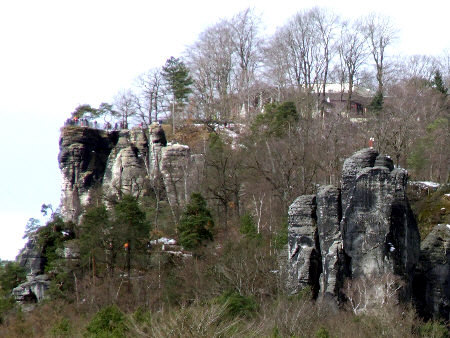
438	84
177	77
377	102
196	223
130	219
11	275
276	119
130	227
248	227
98	242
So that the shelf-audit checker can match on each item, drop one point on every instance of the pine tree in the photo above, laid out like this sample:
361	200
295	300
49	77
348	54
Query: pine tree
438	84
177	77
196	223
131	227
377	102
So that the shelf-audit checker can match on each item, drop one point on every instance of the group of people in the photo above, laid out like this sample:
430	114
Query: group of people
84	122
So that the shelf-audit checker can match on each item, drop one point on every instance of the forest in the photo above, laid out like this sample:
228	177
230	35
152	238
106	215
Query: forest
273	117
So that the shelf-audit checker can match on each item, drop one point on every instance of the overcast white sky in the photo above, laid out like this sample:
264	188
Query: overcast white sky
55	55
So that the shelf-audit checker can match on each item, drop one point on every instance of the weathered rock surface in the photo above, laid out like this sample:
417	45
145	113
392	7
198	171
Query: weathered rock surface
82	159
432	281
126	170
379	231
366	229
362	159
303	246
31	258
121	162
33	290
329	215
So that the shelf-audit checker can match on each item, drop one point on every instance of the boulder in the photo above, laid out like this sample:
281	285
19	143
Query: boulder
174	169
378	228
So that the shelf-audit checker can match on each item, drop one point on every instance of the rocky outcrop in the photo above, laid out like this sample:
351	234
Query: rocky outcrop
432	280
331	247
303	246
83	156
32	291
364	158
32	259
134	162
365	229
379	230
126	171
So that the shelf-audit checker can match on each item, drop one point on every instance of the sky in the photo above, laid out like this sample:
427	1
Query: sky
55	55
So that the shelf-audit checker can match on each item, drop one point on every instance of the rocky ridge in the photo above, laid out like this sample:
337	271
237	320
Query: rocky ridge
366	231
121	162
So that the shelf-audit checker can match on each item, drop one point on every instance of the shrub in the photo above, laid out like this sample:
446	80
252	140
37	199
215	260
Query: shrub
281	237
322	333
108	322
62	328
434	329
248	227
237	305
141	315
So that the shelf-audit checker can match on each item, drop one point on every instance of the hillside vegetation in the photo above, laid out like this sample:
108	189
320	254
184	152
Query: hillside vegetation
258	114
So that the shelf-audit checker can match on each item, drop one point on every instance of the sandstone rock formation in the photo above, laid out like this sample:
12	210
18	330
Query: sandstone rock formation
121	162
304	253
432	281
126	170
31	258
82	159
365	229
329	214
32	291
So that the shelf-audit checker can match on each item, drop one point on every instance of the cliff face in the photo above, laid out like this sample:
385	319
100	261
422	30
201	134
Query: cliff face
365	230
432	280
121	162
83	158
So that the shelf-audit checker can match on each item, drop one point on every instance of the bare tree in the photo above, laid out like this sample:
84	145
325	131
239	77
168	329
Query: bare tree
353	53
370	294
279	67
247	45
302	40
151	97
125	104
417	68
210	61
380	34
299	54
326	23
